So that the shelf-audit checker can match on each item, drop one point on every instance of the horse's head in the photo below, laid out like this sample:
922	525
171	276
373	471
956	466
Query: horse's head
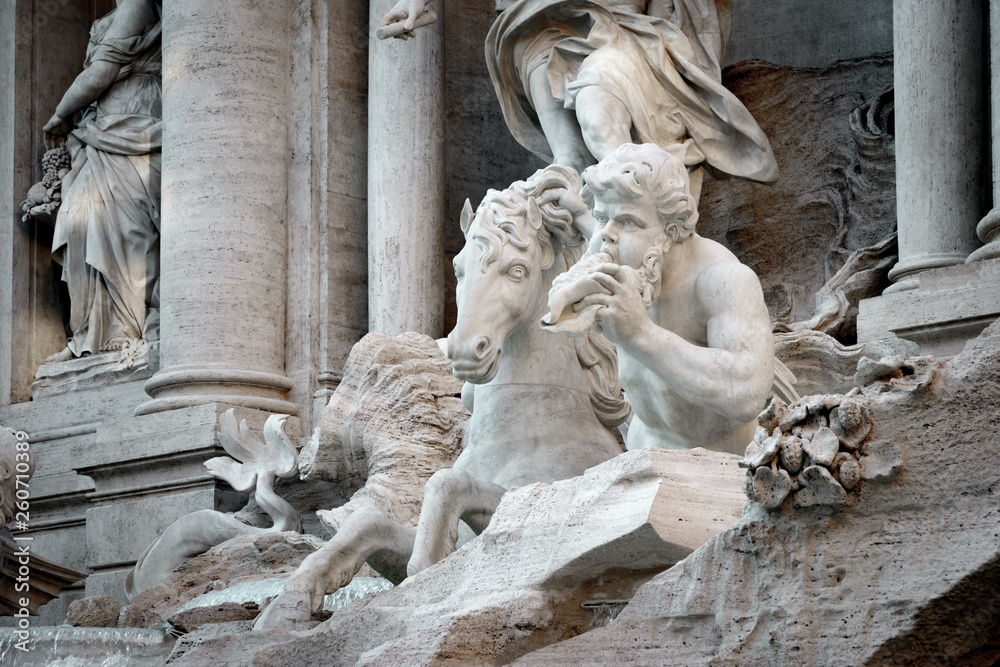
514	248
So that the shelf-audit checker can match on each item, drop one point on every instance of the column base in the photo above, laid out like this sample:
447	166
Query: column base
989	231
187	387
905	275
950	306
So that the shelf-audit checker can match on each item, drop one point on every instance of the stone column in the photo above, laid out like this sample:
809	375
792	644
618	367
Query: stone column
406	179
989	227
940	134
224	209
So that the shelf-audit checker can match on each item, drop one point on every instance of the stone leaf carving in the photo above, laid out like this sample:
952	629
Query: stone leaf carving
816	450
771	488
880	461
819	488
822	448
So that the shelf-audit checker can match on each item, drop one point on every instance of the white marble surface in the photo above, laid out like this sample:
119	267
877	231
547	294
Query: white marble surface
698	363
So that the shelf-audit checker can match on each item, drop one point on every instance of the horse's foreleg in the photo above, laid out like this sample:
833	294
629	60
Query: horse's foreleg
449	496
366	533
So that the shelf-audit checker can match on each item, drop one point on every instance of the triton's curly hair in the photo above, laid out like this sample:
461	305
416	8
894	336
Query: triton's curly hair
635	171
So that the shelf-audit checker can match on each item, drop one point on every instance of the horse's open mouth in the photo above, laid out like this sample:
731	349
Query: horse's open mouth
477	373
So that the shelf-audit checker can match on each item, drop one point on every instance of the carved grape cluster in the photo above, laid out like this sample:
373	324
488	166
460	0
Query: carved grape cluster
817	449
44	197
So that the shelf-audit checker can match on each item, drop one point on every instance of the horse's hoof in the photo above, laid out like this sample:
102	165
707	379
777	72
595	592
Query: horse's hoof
289	610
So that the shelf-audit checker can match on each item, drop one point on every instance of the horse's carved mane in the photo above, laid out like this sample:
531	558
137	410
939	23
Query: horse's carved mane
513	216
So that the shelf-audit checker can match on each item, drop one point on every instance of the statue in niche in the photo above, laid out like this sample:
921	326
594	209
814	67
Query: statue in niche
693	334
107	229
578	78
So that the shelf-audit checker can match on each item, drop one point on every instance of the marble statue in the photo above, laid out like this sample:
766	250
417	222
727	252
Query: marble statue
13	451
578	78
254	467
107	229
689	320
542	406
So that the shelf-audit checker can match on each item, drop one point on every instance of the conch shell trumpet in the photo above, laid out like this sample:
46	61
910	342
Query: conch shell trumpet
565	315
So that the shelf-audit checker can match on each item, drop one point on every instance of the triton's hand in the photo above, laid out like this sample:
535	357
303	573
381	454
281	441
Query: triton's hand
572	202
625	315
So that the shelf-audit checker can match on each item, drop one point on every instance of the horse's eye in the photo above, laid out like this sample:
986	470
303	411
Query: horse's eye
517	273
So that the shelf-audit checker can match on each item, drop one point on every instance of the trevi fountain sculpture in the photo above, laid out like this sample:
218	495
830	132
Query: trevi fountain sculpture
637	442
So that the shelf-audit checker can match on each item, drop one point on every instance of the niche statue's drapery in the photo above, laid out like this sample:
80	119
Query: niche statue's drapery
107	230
662	62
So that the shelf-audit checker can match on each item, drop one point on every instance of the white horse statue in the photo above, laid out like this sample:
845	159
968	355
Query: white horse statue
543	407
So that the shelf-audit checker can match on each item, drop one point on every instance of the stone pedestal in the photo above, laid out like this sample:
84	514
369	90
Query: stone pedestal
225	184
950	306
941	136
988	229
148	472
406	179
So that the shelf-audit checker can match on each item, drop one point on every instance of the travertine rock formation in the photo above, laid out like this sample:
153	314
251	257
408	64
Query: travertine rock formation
243	558
908	574
520	585
817	449
395	419
832	134
823	365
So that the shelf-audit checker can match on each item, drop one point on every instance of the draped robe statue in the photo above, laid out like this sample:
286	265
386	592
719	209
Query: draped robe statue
578	78
107	230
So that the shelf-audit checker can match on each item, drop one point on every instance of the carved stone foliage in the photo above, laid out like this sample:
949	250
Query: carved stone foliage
818	450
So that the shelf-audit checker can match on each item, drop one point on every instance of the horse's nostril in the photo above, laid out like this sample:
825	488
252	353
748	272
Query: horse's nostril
482	347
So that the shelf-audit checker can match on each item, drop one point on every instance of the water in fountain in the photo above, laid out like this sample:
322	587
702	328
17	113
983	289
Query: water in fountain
66	646
260	591
605	611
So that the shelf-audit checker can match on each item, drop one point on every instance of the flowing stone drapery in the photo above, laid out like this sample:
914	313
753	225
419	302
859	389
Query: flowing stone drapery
223	236
940	134
406	179
989	227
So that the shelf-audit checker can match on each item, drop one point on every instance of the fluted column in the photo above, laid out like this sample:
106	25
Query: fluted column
940	133
406	179
988	229
223	236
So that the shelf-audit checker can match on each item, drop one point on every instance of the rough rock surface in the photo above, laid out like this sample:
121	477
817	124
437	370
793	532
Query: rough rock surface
190	620
94	612
519	586
909	574
831	131
396	418
243	558
822	365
